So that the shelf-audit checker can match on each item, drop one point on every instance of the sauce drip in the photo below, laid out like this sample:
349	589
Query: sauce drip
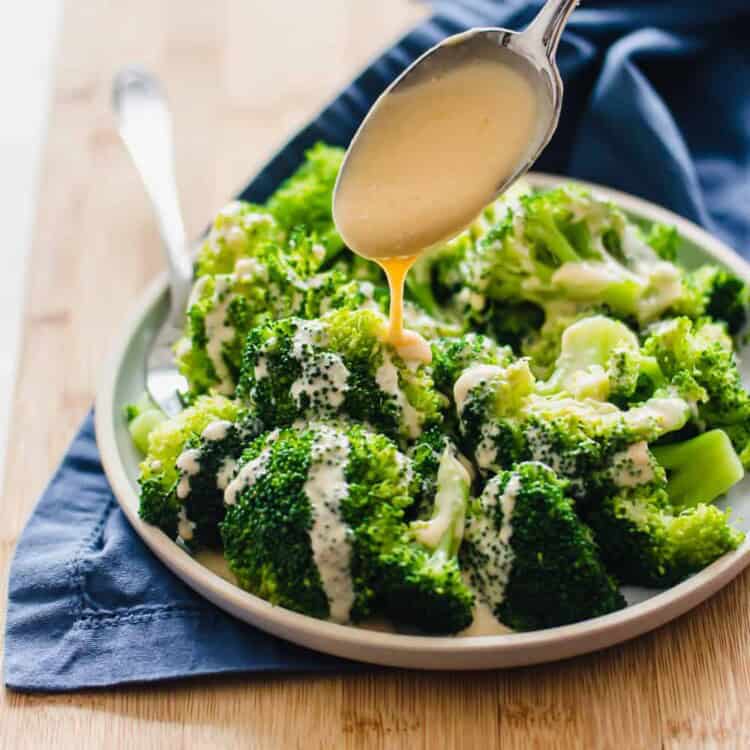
431	155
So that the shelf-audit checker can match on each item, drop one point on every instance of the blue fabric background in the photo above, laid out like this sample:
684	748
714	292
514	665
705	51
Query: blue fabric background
657	103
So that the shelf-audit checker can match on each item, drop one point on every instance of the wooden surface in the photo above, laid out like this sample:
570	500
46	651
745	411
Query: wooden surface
242	76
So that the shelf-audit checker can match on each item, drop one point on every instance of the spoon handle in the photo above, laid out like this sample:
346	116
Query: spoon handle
145	125
548	24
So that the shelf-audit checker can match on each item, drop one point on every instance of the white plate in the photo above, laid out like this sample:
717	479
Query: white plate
123	382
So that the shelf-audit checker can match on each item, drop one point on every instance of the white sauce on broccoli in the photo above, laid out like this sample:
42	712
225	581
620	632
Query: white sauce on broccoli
330	536
492	545
661	414
185	527
325	377
218	333
484	622
217	430
225	473
247	476
632	467
260	370
452	489
189	465
386	377
470	379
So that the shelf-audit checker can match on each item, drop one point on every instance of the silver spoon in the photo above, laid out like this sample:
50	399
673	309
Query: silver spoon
145	125
531	50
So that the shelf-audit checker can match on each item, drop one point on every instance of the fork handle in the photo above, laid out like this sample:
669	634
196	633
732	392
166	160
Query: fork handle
145	126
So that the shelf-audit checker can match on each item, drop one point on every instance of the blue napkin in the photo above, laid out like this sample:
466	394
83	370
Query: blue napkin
656	104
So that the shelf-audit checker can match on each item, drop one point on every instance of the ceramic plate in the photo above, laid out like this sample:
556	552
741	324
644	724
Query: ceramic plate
123	382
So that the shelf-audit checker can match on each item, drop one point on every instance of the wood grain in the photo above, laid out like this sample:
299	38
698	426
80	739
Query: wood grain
243	74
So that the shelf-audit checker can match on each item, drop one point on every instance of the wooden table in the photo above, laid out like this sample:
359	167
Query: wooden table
242	76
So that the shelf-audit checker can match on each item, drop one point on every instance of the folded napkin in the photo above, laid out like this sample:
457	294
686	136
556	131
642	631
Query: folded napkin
656	104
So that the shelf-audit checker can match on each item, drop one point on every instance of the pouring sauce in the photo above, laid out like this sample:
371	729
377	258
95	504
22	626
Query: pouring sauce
431	155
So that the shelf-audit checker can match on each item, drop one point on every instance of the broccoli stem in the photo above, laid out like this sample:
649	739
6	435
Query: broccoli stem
443	532
700	469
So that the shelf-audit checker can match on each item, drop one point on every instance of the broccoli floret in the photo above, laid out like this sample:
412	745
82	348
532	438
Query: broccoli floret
699	470
504	420
338	365
422	582
451	356
309	515
565	244
600	358
305	199
700	356
646	542
240	230
161	504
530	557
716	293
513	324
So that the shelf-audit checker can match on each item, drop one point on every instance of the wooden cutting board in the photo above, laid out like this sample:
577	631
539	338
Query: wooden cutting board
242	76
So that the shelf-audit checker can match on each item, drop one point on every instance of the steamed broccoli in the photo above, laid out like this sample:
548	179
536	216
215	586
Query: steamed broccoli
646	541
305	199
315	523
142	417
700	469
702	354
451	356
337	365
181	465
503	419
600	358
307	514
716	293
530	557
422	581
240	230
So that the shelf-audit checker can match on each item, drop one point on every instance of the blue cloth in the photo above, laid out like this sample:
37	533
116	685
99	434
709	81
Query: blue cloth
656	104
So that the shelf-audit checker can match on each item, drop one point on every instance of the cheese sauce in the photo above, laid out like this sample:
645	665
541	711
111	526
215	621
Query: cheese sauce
431	155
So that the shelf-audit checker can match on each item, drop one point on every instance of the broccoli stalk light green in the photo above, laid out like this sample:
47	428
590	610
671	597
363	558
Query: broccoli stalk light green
699	470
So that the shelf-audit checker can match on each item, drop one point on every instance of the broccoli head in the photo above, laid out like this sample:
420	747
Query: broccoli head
337	365
530	557
600	358
422	581
645	541
179	460
305	199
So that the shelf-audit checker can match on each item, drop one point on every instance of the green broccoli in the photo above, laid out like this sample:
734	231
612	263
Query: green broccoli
174	465
305	199
315	523
700	355
142	417
452	355
422	583
503	420
646	541
530	557
337	365
699	470
600	358
240	230
716	293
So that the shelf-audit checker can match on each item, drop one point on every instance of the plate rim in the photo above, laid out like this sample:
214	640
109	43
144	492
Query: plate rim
395	649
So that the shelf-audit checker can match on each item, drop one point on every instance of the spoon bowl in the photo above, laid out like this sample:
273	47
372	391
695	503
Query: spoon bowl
395	133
